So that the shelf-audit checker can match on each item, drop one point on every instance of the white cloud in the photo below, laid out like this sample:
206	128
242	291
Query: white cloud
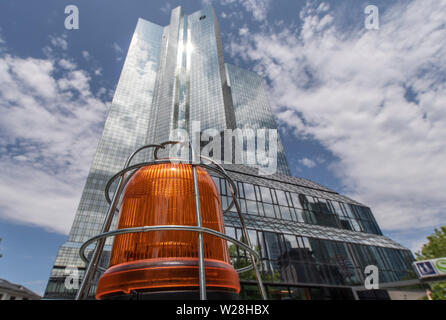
205	2
258	8
166	8
67	64
78	80
233	16
307	162
243	31
101	92
98	71
417	244
32	74
86	55
323	7
117	48
59	41
95	69
118	51
375	99
49	128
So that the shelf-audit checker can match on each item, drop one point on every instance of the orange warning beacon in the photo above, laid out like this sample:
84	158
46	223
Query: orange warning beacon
164	264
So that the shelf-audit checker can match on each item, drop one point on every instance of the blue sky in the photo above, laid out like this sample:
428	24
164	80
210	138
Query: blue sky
360	111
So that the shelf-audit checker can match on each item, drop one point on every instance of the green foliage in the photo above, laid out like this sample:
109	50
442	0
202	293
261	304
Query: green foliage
251	292
435	248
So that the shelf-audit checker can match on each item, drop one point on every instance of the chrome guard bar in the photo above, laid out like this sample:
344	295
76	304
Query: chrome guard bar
93	263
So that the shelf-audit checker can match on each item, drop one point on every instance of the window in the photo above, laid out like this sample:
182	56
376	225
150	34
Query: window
328	220
240	237
362	213
253	238
230	231
272	245
233	249
240	192
252	207
217	183
355	224
249	191
337	208
223	187
224	202
306	242
346	224
323	206
260	208
269	210
286	214
369	227
303	202
299	215
266	195
242	204
313	204
349	210
290	242
281	198
296	201
262	245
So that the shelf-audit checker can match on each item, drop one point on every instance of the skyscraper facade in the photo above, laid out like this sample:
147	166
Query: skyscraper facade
314	242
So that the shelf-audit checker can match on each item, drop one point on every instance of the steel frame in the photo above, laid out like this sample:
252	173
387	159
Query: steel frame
196	160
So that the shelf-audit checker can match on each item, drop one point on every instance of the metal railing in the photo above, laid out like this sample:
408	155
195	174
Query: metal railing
93	263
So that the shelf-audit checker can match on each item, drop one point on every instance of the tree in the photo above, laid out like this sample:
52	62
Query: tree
435	248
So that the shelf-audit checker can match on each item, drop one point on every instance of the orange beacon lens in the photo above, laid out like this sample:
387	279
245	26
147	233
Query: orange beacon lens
164	264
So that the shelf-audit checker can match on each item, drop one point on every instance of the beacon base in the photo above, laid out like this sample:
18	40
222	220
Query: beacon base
172	295
168	277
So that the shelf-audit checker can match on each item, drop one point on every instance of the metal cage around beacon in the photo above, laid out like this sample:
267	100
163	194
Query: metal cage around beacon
93	263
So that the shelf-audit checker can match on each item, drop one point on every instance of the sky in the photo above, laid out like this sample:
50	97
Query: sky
359	111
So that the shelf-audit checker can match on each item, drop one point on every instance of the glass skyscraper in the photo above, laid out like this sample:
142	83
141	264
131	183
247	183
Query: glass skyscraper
314	242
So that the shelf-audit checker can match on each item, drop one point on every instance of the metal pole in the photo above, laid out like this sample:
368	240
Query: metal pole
248	242
201	270
92	266
245	233
201	267
355	294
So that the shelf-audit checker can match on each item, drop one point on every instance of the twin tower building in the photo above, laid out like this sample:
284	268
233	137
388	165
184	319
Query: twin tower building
314	242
